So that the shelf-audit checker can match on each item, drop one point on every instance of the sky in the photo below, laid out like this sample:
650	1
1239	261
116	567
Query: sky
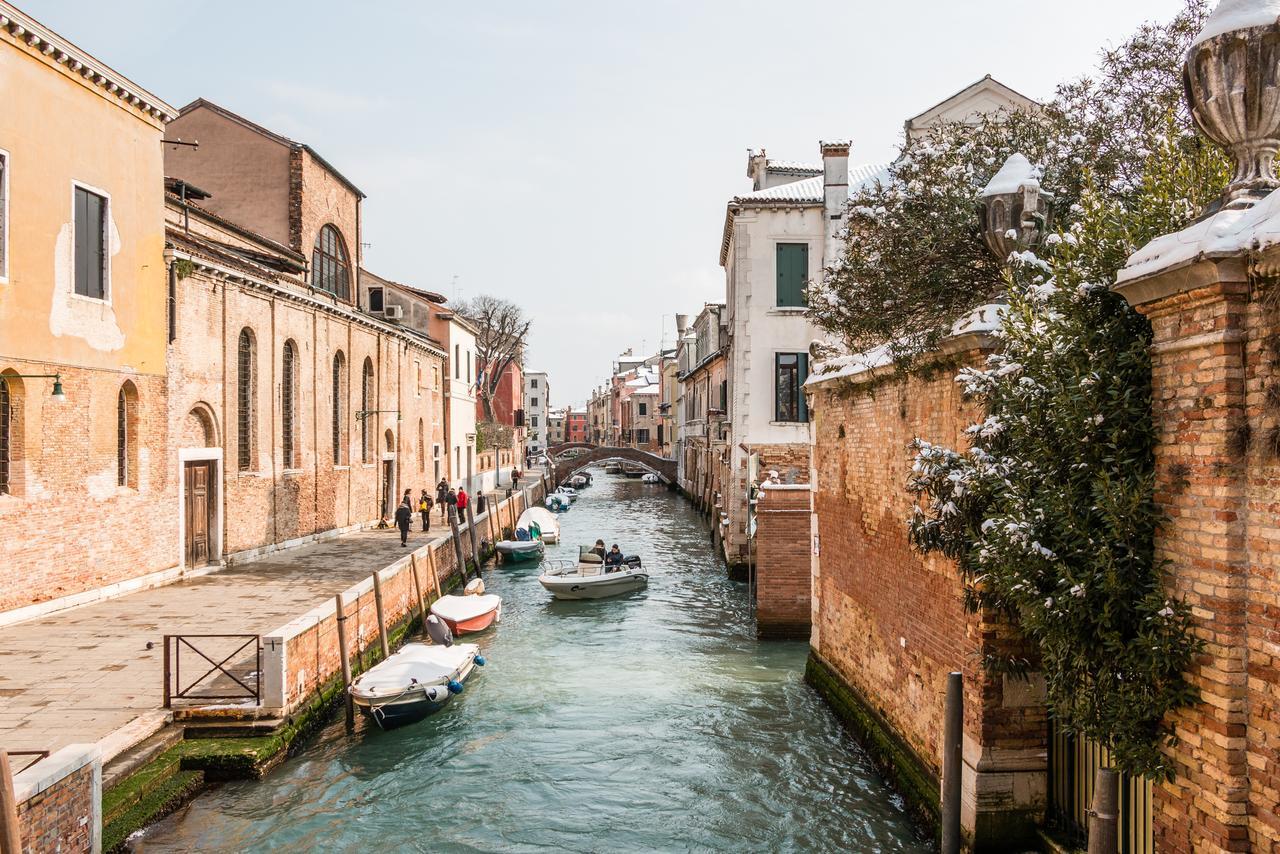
576	157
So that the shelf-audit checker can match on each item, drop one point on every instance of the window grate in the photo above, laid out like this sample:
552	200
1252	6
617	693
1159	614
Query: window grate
337	408
422	446
122	439
329	268
4	437
245	400
288	406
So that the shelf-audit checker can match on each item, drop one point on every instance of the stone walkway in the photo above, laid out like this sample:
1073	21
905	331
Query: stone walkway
82	674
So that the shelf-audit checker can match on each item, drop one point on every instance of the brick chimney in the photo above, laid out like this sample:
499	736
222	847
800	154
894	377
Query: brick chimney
757	168
835	194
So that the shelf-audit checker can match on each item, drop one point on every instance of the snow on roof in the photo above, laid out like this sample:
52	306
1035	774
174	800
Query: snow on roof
807	190
983	319
1228	232
1237	15
649	389
865	175
1016	173
793	166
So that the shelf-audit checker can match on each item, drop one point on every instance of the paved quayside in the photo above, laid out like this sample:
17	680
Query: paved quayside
80	675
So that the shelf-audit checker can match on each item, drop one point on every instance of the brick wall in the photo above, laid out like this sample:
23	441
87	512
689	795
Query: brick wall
69	527
59	802
783	564
790	461
890	621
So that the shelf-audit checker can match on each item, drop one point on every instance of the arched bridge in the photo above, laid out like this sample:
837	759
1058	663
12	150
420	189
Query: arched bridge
554	451
663	467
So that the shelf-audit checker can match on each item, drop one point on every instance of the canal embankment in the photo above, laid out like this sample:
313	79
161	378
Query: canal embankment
122	693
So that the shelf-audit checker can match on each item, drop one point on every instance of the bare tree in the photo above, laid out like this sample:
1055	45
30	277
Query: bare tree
501	329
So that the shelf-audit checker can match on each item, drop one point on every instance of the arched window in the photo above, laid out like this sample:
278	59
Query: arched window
246	399
289	405
339	398
127	436
329	269
422	446
366	404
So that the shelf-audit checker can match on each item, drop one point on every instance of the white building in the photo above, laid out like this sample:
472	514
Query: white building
777	238
537	410
459	337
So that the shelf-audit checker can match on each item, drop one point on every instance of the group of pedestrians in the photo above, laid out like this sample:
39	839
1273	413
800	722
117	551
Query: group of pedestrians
450	501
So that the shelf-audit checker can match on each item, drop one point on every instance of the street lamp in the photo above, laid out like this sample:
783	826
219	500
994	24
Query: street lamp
59	396
1015	211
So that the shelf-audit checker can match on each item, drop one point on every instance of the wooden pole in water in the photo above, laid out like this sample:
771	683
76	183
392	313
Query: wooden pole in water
475	546
341	611
10	832
435	577
457	544
417	591
492	508
952	736
382	621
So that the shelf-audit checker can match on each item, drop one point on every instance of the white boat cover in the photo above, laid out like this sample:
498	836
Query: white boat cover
518	545
546	521
460	608
414	663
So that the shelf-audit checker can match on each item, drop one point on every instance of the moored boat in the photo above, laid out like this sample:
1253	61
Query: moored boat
558	502
474	611
518	551
546	522
650	477
417	680
589	578
580	481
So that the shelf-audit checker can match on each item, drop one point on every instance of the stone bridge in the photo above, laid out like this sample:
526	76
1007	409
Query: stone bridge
663	467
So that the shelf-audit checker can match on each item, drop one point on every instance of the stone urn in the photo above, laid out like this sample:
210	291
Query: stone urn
1232	86
1014	210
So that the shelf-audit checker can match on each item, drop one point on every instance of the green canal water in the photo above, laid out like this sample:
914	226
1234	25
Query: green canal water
654	722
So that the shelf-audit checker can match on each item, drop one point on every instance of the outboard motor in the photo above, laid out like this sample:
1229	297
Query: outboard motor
438	631
633	561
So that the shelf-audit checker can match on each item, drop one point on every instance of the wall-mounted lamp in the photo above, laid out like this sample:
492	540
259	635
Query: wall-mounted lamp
365	413
58	395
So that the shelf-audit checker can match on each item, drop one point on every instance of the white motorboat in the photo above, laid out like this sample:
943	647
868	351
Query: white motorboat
569	492
548	525
650	477
558	502
415	681
589	578
580	481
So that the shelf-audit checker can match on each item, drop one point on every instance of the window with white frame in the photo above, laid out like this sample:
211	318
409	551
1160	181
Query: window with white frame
90	244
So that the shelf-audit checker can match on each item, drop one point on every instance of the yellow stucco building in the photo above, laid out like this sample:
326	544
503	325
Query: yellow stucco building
86	500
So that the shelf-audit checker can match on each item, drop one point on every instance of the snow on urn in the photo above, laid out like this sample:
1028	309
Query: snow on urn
1230	77
1015	211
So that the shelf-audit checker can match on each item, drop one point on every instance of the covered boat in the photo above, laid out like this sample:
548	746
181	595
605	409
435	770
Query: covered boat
589	578
474	611
417	680
580	480
548	525
568	492
518	550
651	478
558	501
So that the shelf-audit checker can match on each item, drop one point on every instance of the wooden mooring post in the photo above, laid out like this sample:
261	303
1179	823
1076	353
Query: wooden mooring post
435	576
952	758
417	591
382	620
345	653
471	529
457	544
10	834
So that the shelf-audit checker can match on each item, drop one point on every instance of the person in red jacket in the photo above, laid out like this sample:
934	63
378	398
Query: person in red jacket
462	503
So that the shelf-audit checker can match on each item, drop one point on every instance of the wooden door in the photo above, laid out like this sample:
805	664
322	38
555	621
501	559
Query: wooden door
199	505
388	474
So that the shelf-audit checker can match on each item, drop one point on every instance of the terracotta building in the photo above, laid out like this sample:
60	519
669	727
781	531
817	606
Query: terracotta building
83	431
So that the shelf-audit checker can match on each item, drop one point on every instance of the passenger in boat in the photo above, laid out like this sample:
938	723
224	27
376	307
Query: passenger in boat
614	557
599	549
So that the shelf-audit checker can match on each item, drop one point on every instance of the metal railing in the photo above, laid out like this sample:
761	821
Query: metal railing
1073	765
36	754
237	675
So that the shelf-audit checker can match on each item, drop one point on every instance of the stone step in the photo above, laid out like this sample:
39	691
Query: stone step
231	728
133	758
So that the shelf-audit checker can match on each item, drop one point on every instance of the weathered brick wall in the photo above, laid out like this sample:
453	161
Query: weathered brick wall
891	621
783	562
68	526
790	461
62	814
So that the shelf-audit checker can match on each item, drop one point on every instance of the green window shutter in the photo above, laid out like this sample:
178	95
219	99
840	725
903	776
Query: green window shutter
793	272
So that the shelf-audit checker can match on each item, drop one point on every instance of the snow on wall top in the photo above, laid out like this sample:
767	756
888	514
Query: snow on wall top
1228	232
1238	14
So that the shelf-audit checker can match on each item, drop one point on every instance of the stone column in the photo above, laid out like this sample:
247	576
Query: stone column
1200	319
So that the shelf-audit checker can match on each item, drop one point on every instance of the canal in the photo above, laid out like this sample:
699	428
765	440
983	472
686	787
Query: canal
655	722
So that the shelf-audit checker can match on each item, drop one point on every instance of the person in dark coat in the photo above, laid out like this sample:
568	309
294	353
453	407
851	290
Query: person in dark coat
404	517
614	557
451	499
442	497
424	510
515	478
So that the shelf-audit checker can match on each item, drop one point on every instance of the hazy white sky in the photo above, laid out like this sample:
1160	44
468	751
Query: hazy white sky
577	156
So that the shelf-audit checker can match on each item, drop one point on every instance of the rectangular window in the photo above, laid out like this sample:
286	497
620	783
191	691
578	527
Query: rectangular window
91	244
533	383
375	300
793	273
435	377
468	366
417	371
642	436
644	408
533	421
457	362
533	404
724	395
791	370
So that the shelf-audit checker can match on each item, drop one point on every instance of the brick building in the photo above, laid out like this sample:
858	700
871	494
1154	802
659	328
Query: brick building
576	427
702	452
86	491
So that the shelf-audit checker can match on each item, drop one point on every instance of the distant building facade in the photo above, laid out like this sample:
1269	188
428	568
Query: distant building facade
537	408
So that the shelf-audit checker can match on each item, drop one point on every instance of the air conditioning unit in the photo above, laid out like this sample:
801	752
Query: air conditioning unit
393	312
